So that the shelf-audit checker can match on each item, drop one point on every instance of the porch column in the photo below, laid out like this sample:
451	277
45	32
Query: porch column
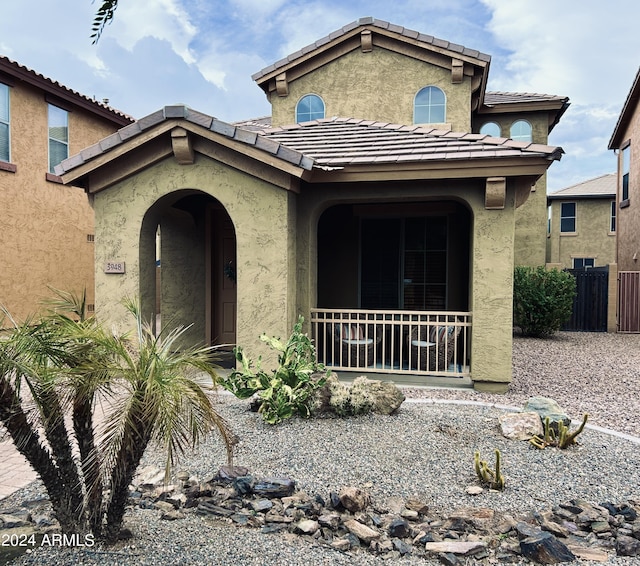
492	296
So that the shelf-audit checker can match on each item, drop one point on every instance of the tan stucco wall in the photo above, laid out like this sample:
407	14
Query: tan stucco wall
43	225
261	214
591	239
491	285
351	87
629	216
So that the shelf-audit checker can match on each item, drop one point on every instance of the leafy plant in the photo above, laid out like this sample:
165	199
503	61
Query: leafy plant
150	391
289	389
542	300
563	438
493	478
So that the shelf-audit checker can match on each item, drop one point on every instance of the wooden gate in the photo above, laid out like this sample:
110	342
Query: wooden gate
591	300
629	301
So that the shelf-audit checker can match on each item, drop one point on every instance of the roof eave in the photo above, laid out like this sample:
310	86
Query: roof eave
626	114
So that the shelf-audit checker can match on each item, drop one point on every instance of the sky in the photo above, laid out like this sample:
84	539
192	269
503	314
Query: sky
202	53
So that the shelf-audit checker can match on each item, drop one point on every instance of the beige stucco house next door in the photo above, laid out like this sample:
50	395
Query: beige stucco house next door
394	236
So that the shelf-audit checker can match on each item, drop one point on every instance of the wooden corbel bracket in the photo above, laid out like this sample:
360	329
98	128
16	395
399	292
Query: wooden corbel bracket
182	147
495	193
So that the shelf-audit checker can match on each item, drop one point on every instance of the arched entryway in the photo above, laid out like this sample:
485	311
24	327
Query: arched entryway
188	267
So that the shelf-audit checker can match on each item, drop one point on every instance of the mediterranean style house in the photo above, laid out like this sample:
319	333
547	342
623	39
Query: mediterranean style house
46	228
625	141
582	224
386	200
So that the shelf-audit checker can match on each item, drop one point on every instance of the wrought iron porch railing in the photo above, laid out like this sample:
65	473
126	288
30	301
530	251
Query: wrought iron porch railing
391	341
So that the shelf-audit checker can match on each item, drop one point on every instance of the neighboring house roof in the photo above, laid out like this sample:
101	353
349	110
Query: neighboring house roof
336	142
604	187
10	71
628	110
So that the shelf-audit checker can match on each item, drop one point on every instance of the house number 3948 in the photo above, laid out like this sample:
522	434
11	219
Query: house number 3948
114	267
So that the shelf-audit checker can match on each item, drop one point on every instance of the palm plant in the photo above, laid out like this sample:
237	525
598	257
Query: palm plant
152	390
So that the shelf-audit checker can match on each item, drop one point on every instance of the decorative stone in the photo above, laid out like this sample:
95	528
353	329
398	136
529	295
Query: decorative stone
474	490
274	487
627	546
386	396
207	508
399	528
546	407
401	546
172	515
261	505
589	553
13	521
307	527
455	546
544	548
364	533
341	544
331	520
520	426
417	505
354	499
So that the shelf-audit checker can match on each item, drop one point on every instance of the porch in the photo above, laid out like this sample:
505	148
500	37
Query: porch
415	347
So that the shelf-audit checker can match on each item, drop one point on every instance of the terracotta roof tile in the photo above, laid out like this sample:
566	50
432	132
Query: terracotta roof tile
427	40
345	141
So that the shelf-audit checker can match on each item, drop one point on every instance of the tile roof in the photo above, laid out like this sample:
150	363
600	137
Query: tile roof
497	97
428	40
14	69
604	186
241	135
339	142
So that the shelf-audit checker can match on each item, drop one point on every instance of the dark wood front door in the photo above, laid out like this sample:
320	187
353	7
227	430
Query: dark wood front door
223	287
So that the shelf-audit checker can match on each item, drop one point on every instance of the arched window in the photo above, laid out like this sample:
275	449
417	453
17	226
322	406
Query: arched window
491	129
520	131
430	106
309	107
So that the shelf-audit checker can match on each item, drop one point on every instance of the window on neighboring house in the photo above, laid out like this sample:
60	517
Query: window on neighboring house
568	217
612	222
491	129
58	136
520	131
582	262
309	107
626	165
5	145
430	106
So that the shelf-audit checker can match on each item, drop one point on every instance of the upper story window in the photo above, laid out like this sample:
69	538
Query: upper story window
612	221
5	145
626	166
58	136
582	262
430	106
491	129
520	131
568	217
309	107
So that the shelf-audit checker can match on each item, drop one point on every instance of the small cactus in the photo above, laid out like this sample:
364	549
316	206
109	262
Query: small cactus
562	439
494	479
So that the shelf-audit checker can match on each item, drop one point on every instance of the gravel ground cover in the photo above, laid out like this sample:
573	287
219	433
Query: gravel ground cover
425	450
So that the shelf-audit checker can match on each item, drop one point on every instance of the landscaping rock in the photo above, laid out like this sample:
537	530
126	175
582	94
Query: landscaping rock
544	548
546	407
354	499
521	426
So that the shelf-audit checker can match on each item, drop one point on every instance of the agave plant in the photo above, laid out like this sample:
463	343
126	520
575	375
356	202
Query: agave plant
151	390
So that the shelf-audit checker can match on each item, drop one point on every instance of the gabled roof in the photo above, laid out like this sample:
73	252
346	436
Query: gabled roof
604	186
628	110
11	71
366	33
340	142
163	123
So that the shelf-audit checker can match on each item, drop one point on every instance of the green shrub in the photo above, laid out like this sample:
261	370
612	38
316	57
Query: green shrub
542	300
288	390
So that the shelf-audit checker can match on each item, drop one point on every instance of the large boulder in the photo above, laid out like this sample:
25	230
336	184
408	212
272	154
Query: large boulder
546	407
520	426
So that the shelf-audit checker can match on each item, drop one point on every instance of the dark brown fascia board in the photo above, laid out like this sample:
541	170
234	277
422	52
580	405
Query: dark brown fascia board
350	41
24	75
451	169
86	174
626	114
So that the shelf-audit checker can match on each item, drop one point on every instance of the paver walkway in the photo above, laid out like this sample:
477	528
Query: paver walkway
15	471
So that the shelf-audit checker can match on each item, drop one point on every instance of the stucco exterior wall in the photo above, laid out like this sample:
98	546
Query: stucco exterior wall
261	214
531	217
592	239
629	213
351	87
43	225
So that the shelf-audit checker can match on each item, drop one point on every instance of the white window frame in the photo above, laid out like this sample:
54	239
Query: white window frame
430	106
6	91
50	126
612	218
310	118
521	137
